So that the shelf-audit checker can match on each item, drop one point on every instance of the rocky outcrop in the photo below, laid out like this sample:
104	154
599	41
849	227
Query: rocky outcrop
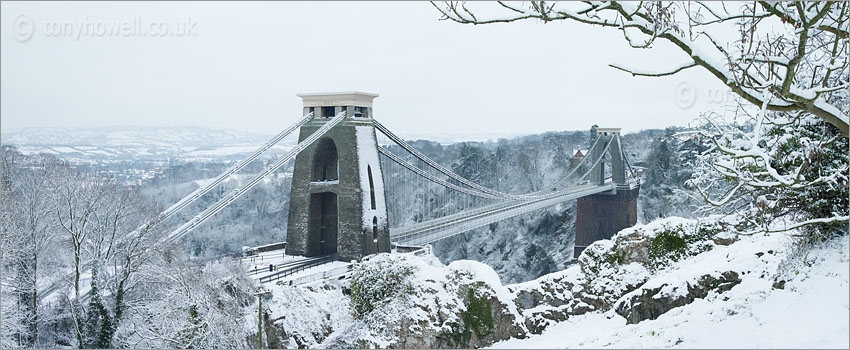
553	301
418	303
611	274
464	305
595	284
478	319
484	321
649	303
275	335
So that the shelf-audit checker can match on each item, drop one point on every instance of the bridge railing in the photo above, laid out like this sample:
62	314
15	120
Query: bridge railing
336	273
260	266
297	269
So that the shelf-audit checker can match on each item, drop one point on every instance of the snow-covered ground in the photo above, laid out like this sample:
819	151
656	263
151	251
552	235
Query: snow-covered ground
782	296
810	312
257	267
274	257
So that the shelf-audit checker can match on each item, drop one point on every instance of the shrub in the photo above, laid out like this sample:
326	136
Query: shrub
668	244
477	319
378	281
674	243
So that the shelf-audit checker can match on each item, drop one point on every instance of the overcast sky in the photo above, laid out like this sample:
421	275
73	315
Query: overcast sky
243	63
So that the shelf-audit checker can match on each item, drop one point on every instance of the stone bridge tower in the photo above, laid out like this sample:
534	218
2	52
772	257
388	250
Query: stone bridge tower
602	215
337	202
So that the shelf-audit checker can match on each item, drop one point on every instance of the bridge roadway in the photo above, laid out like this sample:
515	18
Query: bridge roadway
447	226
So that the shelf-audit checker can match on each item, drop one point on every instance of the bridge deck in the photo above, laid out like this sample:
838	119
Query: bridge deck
437	229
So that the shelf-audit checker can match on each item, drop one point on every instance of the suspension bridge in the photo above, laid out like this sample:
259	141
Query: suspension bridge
351	198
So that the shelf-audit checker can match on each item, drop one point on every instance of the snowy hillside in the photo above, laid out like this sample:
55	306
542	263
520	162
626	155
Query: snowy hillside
124	143
810	309
636	290
115	144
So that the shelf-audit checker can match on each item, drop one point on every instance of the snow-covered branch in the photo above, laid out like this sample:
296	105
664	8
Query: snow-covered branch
636	72
774	168
799	54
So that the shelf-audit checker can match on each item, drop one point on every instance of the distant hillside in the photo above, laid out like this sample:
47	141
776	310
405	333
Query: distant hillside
114	144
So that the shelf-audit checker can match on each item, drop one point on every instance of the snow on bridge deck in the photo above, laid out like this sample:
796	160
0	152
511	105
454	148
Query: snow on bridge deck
291	268
300	270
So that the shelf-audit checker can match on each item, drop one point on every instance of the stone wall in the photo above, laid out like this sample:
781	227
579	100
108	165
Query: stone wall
354	239
600	216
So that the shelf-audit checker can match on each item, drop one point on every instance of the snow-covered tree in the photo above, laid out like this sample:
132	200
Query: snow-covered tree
28	234
189	306
56	220
778	171
116	254
668	165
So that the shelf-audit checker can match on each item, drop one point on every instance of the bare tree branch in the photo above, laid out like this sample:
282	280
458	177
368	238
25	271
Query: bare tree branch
749	68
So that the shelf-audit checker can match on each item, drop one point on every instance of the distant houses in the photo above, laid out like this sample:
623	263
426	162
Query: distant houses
577	156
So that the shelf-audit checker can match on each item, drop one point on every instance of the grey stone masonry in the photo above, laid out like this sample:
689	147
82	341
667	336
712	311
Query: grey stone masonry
602	215
337	203
618	169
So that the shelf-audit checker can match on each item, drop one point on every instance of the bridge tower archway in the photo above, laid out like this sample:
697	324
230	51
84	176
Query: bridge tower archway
323	218
337	201
325	161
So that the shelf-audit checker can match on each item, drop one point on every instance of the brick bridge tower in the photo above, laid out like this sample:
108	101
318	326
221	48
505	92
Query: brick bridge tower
337	202
602	215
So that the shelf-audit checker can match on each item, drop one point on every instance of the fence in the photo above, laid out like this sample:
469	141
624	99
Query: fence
296	269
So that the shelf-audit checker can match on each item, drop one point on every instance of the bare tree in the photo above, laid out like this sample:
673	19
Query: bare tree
77	197
189	306
28	233
796	51
96	214
13	315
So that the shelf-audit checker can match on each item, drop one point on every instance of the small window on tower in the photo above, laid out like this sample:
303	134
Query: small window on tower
371	186
375	229
328	112
361	112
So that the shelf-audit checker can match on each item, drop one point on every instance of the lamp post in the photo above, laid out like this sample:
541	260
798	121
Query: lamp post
259	295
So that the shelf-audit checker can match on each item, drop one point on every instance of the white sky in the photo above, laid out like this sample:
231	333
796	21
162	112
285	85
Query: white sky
247	61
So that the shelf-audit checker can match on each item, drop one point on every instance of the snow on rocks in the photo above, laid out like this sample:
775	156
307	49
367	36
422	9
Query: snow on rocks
551	298
670	283
719	269
400	300
459	305
304	316
482	273
728	296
